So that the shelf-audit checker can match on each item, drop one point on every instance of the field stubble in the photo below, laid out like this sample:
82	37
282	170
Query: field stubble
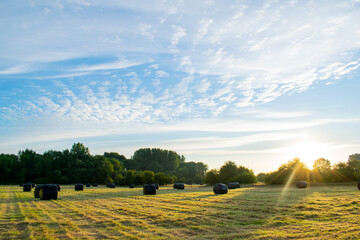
253	212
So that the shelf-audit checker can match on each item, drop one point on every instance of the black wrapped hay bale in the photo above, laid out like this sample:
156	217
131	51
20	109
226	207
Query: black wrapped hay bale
27	187
112	185
359	185
179	186
233	185
88	185
131	185
220	188
149	189
37	191
48	192
108	184
79	187
94	184
301	184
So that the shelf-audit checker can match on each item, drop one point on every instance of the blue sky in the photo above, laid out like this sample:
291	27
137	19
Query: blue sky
255	82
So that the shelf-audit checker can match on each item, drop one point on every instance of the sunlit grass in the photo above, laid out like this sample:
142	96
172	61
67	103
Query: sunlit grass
256	212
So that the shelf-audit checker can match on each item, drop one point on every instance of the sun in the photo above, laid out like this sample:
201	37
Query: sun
308	150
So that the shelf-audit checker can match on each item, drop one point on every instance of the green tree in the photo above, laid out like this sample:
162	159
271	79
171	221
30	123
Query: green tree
322	171
290	172
8	167
227	172
211	177
261	177
138	178
80	151
354	164
148	176
129	177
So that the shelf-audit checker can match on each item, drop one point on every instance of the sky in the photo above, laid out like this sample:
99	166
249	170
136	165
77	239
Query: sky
254	82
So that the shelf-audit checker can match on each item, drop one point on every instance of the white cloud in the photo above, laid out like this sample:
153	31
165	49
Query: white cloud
16	70
120	64
179	32
160	74
145	29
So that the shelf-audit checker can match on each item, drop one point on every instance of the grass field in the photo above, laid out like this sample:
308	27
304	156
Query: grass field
253	212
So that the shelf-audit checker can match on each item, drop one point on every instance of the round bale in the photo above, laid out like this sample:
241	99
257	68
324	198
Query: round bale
79	187
220	188
94	184
233	185
149	189
112	185
359	185
179	186
48	192
88	185
27	187
37	191
131	185
301	184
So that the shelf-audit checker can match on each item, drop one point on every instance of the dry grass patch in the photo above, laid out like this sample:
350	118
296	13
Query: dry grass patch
256	212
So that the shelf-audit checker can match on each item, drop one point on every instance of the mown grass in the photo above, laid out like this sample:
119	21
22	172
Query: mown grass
253	212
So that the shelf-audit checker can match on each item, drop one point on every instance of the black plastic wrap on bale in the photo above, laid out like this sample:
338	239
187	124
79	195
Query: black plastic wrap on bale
88	185
301	184
220	188
359	185
27	187
149	189
179	186
131	185
94	184
48	192
112	185
37	191
156	185
233	185
79	187
108	184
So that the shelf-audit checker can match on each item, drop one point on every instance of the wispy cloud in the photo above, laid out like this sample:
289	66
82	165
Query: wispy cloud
178	65
120	64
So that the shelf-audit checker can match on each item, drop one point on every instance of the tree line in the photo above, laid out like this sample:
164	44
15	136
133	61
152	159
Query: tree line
323	171
78	165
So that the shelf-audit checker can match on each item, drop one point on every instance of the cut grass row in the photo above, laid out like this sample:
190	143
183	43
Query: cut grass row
267	212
